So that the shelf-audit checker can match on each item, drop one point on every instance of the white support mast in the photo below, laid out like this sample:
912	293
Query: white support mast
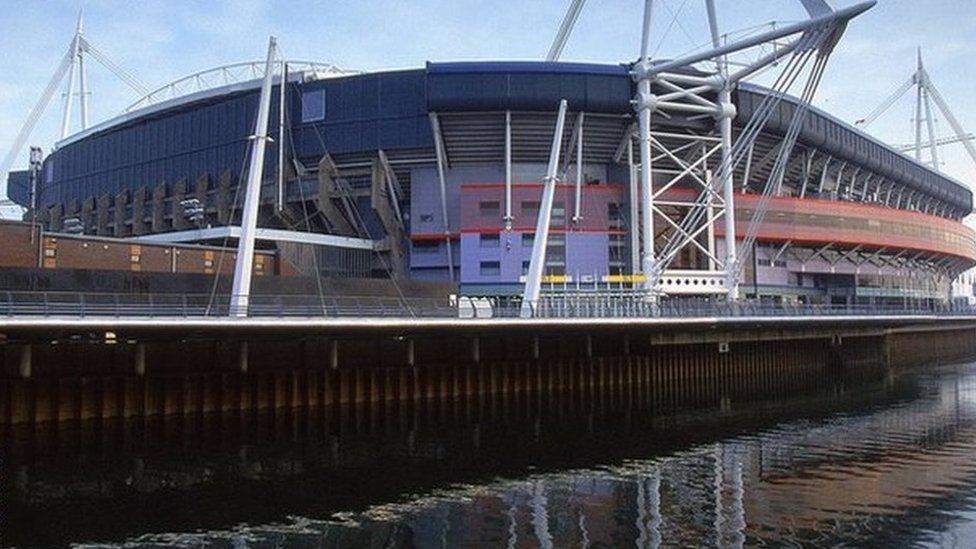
69	95
282	107
578	199
930	124
78	48
565	29
918	108
645	103
441	153
240	294
725	115
82	76
508	171
533	280
925	95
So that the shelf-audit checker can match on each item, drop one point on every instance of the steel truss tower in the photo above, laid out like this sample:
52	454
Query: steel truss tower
698	88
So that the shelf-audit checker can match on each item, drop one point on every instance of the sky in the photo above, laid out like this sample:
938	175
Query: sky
159	41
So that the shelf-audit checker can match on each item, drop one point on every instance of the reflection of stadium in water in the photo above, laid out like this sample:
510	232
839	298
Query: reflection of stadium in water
889	458
902	471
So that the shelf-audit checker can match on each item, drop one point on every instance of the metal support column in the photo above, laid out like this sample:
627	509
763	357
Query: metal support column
645	105
634	210
726	113
240	294
930	124
508	171
918	110
441	161
533	281
282	93
82	80
577	216
66	113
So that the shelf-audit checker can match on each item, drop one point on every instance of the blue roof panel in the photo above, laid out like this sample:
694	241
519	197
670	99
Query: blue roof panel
537	67
527	86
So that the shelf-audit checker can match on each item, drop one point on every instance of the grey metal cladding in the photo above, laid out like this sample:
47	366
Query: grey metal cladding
826	133
388	110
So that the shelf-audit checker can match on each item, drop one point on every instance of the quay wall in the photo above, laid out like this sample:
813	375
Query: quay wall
91	377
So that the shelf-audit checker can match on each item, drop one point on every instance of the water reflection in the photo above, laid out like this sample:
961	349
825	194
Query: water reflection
885	462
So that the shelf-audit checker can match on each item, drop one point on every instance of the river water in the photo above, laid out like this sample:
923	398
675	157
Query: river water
889	461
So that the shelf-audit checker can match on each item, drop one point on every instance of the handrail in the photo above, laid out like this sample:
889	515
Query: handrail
619	305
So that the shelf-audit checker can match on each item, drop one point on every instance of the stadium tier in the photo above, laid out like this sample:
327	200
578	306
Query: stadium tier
850	220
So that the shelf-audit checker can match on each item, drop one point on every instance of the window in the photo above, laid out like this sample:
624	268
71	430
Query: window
558	216
313	106
426	247
489	240
530	208
555	270
616	253
528	239
426	218
489	208
556	251
490	268
525	268
614	216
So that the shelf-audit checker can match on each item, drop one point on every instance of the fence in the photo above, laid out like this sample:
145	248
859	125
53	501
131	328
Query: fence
82	305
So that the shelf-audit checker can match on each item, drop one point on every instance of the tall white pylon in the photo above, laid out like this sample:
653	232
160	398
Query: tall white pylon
72	61
241	289
925	95
77	60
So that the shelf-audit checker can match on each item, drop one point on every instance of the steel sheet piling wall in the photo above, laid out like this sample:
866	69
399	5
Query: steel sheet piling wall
97	381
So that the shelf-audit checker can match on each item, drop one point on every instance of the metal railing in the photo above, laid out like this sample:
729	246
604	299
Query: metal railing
115	305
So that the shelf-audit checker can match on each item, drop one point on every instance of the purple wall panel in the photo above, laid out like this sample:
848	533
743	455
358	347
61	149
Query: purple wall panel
586	244
509	254
425	195
430	258
593	209
425	208
587	254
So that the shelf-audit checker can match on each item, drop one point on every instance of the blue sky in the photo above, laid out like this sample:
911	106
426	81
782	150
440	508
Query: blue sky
159	41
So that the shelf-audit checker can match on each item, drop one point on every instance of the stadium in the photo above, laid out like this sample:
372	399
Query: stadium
437	174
